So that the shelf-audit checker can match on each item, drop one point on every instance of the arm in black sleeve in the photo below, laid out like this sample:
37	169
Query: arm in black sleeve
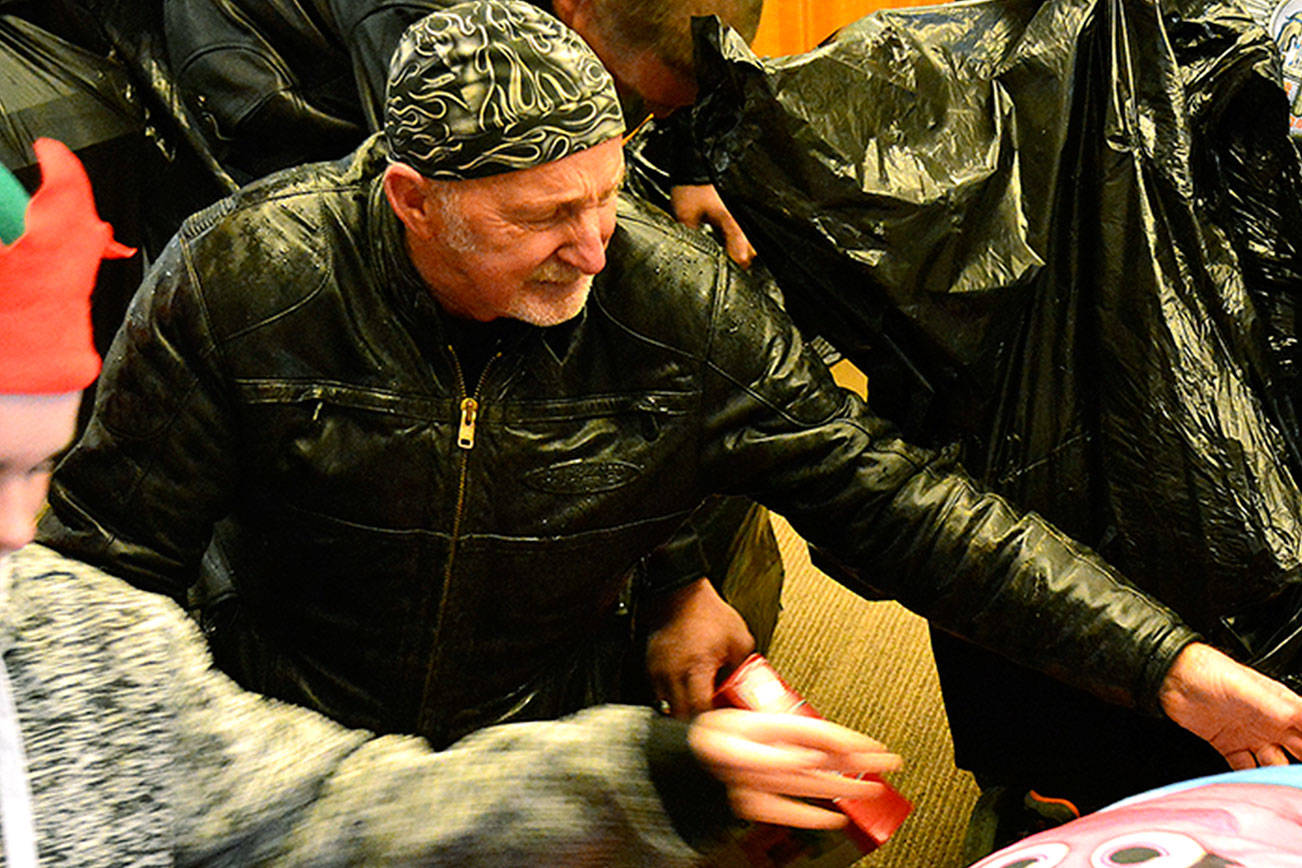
910	522
157	464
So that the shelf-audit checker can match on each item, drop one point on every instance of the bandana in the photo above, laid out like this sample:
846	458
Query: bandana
46	278
494	86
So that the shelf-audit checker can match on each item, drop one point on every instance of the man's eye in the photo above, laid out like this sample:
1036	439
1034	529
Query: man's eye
533	218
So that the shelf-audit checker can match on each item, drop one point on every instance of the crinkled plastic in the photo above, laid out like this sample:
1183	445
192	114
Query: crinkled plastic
1064	235
51	88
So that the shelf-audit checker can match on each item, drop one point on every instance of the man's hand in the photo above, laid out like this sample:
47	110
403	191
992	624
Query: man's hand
765	760
695	635
697	203
1251	719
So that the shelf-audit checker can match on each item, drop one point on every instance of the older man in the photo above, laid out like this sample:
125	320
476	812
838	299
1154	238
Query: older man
119	744
271	85
438	404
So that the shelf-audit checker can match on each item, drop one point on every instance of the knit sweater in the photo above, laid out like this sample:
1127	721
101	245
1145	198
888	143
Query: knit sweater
139	753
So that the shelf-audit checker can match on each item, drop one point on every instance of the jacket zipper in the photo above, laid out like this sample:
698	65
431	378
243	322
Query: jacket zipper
469	406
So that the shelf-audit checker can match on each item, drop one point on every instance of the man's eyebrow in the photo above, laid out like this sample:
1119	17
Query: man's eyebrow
562	200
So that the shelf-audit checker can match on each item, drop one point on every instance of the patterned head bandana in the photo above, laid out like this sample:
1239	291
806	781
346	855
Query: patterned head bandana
493	86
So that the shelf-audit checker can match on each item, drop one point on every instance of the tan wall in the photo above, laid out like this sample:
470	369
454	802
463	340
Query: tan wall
792	26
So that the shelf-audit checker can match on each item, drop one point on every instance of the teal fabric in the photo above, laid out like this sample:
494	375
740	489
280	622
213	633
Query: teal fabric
13	206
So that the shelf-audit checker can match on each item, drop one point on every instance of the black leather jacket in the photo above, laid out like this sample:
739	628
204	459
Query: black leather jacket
414	563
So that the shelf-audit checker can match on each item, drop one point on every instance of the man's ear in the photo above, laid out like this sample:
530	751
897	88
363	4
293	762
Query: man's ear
407	192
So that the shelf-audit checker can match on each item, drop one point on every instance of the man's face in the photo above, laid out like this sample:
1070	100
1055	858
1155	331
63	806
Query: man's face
33	428
661	88
525	245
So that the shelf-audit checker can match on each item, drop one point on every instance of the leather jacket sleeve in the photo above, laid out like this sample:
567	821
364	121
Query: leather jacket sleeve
909	522
164	389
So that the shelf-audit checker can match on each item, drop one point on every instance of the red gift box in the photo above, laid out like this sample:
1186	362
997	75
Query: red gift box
756	686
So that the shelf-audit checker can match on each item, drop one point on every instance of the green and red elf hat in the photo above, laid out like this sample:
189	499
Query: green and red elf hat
46	277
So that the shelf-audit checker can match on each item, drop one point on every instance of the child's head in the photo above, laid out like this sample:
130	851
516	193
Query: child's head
46	353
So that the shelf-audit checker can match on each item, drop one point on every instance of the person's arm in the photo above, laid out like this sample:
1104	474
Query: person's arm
910	519
668	146
1250	719
157	463
371	32
693	632
257	781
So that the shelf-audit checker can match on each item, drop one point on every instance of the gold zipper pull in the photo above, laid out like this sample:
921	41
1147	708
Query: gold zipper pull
466	433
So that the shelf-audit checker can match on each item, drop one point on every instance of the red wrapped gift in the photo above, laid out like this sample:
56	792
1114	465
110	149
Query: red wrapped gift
756	686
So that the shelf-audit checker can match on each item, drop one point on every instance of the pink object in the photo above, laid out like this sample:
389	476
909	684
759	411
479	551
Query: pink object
1232	820
756	686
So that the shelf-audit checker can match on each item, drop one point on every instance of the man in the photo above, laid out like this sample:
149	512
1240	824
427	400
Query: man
120	745
271	87
438	404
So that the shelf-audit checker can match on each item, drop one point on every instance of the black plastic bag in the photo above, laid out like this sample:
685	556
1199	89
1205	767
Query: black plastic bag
1064	235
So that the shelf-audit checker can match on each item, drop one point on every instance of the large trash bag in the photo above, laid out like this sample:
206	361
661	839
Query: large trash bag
1063	235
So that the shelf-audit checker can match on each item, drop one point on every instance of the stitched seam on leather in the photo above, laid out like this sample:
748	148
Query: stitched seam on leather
577	537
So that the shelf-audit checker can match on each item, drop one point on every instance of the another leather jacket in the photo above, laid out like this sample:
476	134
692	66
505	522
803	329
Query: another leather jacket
416	551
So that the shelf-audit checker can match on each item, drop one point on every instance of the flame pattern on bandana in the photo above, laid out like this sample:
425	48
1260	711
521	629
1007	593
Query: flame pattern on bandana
482	88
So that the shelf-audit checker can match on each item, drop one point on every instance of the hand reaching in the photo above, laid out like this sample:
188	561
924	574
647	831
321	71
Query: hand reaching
1251	719
694	204
697	635
768	761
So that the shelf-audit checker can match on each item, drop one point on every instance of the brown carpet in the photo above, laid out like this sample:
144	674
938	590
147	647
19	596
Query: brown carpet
868	665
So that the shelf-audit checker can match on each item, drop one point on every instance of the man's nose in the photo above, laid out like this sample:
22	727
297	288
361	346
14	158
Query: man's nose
586	248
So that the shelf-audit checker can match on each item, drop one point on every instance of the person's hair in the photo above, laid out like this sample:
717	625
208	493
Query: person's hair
664	27
446	196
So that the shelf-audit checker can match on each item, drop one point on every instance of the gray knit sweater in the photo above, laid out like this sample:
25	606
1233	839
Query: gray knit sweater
139	753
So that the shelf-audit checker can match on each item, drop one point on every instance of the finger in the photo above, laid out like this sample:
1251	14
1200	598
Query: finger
689	216
730	755
767	808
700	690
662	689
735	241
1271	755
739	649
853	766
793	729
809	784
680	699
661	682
1240	760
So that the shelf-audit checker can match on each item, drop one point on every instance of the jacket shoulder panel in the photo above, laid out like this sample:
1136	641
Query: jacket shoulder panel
661	280
271	247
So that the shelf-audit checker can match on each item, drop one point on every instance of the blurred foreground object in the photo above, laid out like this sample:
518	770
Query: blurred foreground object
756	686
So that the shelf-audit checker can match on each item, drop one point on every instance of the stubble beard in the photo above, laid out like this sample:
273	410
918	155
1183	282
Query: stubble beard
540	308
